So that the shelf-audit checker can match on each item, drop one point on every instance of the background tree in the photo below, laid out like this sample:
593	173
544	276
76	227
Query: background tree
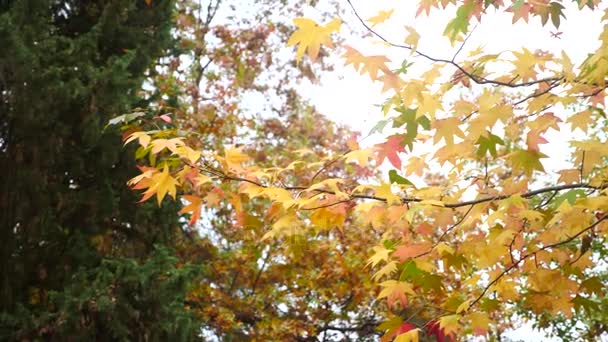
310	287
72	236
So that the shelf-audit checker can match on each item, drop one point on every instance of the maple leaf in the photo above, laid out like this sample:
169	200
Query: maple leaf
415	165
429	104
170	144
460	24
160	184
373	64
435	328
521	10
360	156
354	57
424	6
526	161
533	139
480	322
384	191
194	207
142	137
386	271
394	291
370	64
310	36
447	129
390	150
524	65
581	120
410	335
188	153
412	38
394	177
408	251
381	17
488	144
380	254
234	157
569	176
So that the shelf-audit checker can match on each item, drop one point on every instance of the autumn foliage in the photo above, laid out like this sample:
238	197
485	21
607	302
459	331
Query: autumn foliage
291	227
456	252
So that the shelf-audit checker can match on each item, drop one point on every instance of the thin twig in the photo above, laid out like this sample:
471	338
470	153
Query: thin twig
463	43
523	258
474	78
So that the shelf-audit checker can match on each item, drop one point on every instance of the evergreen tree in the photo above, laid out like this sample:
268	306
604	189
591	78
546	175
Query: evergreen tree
72	234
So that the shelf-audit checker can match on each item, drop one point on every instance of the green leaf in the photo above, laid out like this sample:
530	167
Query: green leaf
410	271
394	177
556	12
379	127
527	161
460	24
586	304
593	285
569	196
411	123
488	144
125	118
403	68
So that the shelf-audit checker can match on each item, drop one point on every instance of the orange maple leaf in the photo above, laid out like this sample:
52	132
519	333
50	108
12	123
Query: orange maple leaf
404	252
194	207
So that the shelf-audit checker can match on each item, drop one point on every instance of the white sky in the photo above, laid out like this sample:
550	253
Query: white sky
347	97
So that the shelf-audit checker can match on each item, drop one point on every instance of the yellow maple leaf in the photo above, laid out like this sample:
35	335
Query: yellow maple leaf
381	17
394	291
309	36
386	271
384	191
170	144
524	64
569	176
480	322
327	218
370	64
286	225
143	138
188	153
381	253
428	104
234	157
409	336
160	184
412	38
581	120
360	156
447	129
415	165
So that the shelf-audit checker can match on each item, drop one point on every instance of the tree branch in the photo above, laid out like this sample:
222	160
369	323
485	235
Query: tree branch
218	173
477	79
523	258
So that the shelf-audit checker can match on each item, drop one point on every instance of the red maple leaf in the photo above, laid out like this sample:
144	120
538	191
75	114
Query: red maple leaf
389	149
434	328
